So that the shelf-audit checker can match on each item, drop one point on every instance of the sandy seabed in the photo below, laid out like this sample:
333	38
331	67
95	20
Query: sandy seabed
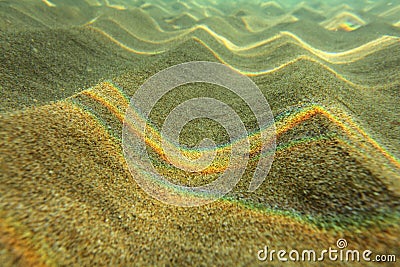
68	68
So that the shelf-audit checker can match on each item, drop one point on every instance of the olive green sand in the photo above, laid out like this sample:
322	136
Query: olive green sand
67	197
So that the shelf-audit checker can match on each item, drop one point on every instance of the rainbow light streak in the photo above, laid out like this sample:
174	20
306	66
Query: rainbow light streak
348	26
284	123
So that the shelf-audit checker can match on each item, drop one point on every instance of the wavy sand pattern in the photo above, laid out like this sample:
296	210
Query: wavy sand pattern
329	70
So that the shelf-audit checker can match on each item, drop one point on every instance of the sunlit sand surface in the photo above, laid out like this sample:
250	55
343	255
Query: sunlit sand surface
330	73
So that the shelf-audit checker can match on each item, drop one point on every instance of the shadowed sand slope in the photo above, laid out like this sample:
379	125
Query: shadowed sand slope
330	73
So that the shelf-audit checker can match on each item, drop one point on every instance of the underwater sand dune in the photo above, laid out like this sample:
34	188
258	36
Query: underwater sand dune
74	14
69	75
344	21
68	69
103	186
242	36
254	56
77	183
38	66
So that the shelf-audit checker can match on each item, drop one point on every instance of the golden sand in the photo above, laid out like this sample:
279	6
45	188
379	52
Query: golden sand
67	197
